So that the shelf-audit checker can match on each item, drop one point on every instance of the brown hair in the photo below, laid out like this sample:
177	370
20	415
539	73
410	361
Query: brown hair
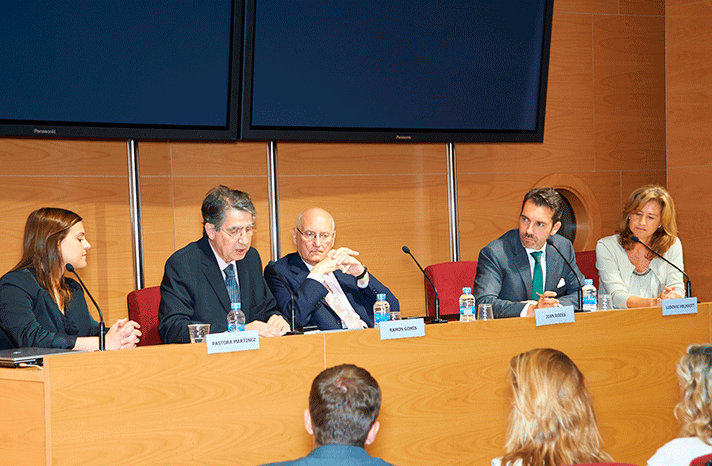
344	403
552	420
546	197
44	230
665	236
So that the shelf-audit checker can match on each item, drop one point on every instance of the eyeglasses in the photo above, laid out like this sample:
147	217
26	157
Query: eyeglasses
311	236
236	232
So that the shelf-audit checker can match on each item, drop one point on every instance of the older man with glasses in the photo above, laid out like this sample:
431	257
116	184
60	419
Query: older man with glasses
208	277
331	288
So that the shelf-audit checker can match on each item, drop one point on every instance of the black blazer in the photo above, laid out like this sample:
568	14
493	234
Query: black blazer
30	317
193	291
311	309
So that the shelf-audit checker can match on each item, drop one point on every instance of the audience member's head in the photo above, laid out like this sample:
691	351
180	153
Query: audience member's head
694	411
343	406
552	420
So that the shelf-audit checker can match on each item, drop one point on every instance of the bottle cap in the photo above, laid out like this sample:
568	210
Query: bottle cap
381	296
466	290
587	281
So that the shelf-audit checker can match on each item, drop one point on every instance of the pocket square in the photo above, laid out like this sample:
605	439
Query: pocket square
562	282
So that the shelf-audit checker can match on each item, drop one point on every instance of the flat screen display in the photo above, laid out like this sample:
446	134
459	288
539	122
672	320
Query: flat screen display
396	70
121	69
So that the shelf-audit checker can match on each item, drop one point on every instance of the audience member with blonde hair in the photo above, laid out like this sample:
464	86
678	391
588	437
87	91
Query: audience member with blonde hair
552	420
628	271
694	411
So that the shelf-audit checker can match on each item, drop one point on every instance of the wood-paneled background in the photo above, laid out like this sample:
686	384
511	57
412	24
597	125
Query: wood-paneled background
605	129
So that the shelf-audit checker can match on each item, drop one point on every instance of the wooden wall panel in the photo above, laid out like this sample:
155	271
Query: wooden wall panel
689	132
629	59
87	177
382	197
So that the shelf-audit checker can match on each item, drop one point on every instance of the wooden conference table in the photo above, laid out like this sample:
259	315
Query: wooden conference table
445	395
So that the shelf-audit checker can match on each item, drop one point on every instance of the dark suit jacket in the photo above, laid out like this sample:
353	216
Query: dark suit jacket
504	277
30	317
311	309
336	455
193	291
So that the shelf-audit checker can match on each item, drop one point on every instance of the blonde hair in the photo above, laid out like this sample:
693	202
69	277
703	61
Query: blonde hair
552	420
694	411
665	236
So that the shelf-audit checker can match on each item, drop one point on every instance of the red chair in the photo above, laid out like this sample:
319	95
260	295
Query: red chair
586	262
449	278
143	309
703	460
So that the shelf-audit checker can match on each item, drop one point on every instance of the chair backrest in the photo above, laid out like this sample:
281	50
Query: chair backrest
449	278
703	460
586	262
143	309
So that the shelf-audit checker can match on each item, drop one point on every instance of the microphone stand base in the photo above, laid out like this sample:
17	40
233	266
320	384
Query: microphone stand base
436	321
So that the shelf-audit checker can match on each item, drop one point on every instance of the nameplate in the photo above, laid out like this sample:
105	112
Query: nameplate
409	328
673	307
555	315
227	342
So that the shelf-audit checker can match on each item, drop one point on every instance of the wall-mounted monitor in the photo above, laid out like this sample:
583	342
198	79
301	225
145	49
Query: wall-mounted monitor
416	70
129	70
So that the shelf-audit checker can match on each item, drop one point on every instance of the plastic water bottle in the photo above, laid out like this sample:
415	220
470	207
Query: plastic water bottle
589	295
235	318
467	306
381	310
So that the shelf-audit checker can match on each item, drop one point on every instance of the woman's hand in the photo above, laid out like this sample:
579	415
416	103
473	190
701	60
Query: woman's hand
669	293
123	334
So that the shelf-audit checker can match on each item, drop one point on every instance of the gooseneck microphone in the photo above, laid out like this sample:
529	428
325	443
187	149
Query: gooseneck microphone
102	337
550	242
688	287
437	319
273	266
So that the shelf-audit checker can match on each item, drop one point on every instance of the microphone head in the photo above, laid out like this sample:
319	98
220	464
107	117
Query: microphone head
69	267
549	241
406	249
271	264
635	239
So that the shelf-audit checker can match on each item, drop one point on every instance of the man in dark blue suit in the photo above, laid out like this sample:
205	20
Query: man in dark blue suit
520	272
331	288
196	278
344	403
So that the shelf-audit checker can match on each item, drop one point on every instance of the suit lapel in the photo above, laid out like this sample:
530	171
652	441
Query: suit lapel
553	264
520	261
213	274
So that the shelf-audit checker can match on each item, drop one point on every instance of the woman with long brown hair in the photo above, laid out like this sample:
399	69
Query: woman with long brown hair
39	305
628	271
552	420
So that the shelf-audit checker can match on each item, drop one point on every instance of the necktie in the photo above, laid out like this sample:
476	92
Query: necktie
233	290
349	319
538	277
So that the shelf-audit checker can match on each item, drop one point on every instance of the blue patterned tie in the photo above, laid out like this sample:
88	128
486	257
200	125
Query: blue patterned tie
233	290
538	277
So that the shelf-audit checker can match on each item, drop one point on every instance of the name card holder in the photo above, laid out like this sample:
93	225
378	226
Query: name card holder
555	315
674	307
408	328
228	342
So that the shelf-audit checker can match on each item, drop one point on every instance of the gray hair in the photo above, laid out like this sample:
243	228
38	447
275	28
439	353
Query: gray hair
218	202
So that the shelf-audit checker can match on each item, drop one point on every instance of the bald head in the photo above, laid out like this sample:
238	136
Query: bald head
314	234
